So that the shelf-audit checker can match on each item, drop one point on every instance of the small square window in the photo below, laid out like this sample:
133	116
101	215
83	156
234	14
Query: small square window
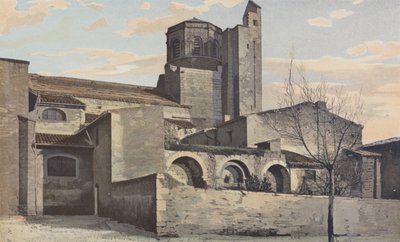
255	22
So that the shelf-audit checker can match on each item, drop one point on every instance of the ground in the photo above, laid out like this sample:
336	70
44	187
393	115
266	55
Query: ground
91	229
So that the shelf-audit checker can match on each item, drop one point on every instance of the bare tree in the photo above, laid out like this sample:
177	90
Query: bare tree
347	177
322	133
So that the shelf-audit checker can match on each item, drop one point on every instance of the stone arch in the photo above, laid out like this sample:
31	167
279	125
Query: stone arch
234	172
193	166
278	176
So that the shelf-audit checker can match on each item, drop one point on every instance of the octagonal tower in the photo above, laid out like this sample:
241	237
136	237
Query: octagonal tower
195	44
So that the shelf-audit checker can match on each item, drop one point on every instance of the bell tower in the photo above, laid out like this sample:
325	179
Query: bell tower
242	65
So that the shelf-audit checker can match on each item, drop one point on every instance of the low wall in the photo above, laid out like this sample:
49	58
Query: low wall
183	210
134	202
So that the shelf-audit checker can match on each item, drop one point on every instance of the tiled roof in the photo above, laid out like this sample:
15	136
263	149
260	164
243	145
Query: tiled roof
300	161
62	140
365	153
74	87
184	124
59	99
90	117
383	142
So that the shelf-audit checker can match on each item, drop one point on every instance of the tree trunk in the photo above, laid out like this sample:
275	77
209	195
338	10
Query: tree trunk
330	206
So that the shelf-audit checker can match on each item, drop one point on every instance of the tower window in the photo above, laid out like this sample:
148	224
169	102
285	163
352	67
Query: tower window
54	114
215	49
197	45
255	22
176	49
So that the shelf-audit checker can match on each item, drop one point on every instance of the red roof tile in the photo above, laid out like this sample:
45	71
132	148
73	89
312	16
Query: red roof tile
59	99
99	90
80	139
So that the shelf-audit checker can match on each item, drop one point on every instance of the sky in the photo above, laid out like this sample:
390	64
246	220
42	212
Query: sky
350	44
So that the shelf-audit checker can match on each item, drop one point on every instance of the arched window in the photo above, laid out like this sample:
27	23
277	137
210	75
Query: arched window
54	114
61	165
215	49
197	45
176	49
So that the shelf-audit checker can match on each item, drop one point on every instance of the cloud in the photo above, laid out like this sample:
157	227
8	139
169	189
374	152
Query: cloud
11	18
116	63
225	3
178	13
320	22
90	5
98	24
375	50
145	6
61	32
356	2
341	13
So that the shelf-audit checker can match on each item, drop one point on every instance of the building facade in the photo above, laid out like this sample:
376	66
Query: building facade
73	146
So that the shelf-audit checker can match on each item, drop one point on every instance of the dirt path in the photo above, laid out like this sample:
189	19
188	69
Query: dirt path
90	228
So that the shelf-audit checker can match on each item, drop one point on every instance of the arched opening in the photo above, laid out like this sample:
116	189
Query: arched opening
176	49
197	46
61	166
187	171
215	49
279	178
54	114
234	173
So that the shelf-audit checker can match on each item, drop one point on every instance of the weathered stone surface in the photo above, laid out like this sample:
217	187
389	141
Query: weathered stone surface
197	211
13	102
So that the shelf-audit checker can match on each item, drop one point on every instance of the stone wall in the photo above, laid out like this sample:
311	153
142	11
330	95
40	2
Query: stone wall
390	168
137	142
184	210
201	89
13	102
75	117
134	202
264	127
68	195
102	162
29	177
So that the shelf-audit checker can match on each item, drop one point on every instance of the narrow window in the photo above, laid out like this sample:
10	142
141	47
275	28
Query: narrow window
61	166
54	114
310	175
255	22
197	45
230	136
176	49
215	49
